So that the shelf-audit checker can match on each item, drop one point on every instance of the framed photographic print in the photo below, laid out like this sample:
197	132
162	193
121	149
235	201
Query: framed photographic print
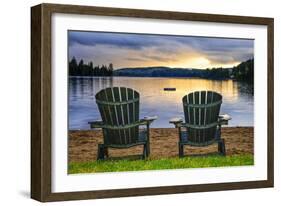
130	102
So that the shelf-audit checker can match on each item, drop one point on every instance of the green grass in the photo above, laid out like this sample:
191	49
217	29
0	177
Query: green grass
160	164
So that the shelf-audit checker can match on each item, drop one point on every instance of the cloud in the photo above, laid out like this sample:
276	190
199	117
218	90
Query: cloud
135	59
131	41
126	50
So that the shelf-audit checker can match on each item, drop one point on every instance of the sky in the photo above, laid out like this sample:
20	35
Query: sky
126	50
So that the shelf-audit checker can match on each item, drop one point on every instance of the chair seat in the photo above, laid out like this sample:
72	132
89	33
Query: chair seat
184	140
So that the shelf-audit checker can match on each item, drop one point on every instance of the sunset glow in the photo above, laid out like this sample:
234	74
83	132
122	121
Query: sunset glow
143	50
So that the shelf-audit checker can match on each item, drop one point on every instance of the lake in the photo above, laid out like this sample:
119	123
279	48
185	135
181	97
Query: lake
238	98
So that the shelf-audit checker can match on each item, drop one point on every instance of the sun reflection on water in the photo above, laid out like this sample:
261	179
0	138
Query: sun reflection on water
155	101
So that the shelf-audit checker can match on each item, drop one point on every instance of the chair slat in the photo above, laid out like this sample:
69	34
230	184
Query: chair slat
128	115
185	109
114	134
124	110
202	114
131	113
197	135
191	114
106	114
201	109
119	115
137	103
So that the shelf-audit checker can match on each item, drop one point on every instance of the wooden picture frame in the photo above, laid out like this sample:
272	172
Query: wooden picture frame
41	97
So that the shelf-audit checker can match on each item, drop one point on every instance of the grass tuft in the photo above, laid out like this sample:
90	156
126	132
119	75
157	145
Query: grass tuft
160	164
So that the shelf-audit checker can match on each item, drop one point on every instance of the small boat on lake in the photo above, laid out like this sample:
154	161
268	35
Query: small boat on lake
169	89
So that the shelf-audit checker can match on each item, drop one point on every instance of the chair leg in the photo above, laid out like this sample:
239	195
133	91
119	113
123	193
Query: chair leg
147	149
105	149
144	154
101	152
181	151
221	147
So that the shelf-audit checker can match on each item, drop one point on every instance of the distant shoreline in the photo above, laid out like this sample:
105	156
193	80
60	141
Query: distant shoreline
160	77
242	72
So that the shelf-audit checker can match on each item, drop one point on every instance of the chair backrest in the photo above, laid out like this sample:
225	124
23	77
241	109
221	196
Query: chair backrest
201	111
119	109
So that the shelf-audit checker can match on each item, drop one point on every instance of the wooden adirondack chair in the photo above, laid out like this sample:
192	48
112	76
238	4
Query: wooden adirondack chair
202	125
119	109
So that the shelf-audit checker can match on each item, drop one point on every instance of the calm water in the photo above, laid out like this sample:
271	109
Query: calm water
238	99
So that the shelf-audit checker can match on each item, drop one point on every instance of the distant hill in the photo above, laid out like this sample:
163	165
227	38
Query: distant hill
242	72
155	72
216	73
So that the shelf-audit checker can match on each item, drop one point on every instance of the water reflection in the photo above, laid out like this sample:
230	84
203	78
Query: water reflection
237	98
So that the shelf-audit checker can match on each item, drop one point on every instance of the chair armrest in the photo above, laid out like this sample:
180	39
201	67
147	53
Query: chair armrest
96	124
148	119
176	121
223	119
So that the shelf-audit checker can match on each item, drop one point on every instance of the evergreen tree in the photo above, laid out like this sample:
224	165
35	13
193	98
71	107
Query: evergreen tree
80	67
110	69
103	70
96	71
72	67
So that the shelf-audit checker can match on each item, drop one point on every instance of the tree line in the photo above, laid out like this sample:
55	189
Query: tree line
88	69
242	72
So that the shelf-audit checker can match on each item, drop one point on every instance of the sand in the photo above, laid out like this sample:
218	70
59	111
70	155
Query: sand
163	144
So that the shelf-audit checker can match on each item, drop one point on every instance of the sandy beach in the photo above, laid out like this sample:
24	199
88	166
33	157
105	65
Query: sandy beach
163	143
